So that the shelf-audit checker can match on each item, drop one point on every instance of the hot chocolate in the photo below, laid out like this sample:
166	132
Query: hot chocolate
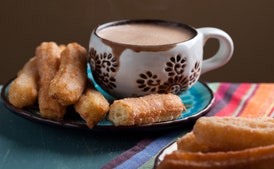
145	34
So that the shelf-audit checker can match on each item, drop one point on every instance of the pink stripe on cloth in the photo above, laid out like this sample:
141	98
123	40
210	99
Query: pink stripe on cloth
245	99
219	94
235	100
225	94
271	114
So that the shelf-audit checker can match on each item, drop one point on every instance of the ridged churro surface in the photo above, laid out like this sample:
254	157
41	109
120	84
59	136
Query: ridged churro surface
23	90
232	133
70	80
92	107
48	61
225	143
147	109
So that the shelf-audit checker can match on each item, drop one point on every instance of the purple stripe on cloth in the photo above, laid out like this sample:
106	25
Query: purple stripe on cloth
219	94
128	154
150	151
138	159
222	102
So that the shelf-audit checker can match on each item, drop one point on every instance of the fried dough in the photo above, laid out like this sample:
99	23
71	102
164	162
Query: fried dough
147	109
233	133
23	90
224	143
62	47
92	107
252	158
70	80
48	61
188	143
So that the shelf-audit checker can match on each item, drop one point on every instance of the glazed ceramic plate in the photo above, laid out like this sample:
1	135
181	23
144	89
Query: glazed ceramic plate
167	150
198	100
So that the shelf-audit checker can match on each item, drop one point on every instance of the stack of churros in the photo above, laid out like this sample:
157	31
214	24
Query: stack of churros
225	142
57	78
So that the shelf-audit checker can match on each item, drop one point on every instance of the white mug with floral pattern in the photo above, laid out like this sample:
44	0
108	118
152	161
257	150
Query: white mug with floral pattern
129	70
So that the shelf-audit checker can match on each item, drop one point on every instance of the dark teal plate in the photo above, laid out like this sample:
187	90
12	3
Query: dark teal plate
198	100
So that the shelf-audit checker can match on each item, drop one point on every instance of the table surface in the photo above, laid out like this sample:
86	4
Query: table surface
28	144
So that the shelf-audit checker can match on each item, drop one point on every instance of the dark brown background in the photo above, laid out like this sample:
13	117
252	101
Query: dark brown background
25	24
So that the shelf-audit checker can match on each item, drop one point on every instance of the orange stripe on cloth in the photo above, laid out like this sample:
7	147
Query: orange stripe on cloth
261	103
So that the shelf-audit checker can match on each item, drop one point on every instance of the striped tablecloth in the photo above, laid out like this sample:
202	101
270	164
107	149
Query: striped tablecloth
231	99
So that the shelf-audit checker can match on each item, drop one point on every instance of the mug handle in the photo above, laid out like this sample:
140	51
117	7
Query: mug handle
224	52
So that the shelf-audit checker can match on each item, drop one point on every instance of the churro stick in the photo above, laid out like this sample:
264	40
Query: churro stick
234	133
92	107
23	90
252	158
188	143
48	55
70	80
147	109
62	47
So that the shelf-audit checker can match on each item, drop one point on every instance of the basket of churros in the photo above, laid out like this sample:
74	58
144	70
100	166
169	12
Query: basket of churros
222	143
57	82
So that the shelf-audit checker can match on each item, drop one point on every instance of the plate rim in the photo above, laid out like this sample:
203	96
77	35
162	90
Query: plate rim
157	160
68	124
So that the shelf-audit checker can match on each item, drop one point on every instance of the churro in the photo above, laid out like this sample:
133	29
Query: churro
252	158
225	142
70	80
188	143
232	133
23	90
147	109
48	61
92	107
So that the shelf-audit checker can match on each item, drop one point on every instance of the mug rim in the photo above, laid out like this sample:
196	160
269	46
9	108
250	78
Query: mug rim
145	21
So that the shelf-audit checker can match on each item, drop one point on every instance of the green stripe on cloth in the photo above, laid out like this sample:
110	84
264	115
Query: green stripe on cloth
214	86
149	164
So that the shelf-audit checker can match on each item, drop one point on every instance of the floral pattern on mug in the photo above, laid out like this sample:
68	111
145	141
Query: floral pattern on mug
176	83
176	65
195	73
148	82
104	66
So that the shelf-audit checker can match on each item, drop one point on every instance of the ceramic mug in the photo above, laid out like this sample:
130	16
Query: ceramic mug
135	64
